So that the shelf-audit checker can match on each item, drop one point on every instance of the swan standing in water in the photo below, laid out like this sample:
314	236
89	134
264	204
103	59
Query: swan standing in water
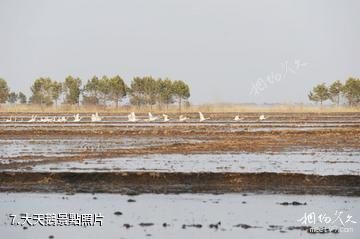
151	118
202	118
237	118
77	118
183	118
95	117
33	118
166	118
132	117
9	120
262	117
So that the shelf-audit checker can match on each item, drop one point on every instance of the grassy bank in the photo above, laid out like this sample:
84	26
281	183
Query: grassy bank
206	108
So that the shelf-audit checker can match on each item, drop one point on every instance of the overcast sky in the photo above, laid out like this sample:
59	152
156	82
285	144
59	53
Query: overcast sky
226	50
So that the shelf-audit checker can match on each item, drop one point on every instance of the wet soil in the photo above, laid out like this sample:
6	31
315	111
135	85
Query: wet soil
150	182
215	137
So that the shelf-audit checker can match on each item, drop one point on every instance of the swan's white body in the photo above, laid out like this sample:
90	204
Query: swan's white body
33	118
237	118
166	118
262	117
202	118
183	118
132	117
9	120
95	117
151	118
77	118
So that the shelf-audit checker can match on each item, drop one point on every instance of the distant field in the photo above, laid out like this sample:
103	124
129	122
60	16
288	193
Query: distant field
208	108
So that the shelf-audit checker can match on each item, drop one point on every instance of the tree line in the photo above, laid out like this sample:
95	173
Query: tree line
337	92
143	91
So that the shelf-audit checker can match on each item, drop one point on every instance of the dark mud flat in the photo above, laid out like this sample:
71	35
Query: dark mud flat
155	182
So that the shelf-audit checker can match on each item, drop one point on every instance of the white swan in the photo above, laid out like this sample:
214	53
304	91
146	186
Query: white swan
33	118
262	117
202	118
237	118
132	117
77	118
9	120
95	117
183	118
151	118
166	118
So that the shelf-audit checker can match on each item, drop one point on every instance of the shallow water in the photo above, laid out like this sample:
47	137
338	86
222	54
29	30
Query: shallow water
272	221
51	146
322	163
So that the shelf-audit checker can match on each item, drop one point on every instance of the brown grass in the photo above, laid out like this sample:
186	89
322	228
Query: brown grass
206	108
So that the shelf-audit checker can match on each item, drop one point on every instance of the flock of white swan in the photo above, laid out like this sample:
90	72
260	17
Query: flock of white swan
131	118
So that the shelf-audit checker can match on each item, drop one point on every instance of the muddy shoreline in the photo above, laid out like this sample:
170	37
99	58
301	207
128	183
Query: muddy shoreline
155	182
55	143
209	139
